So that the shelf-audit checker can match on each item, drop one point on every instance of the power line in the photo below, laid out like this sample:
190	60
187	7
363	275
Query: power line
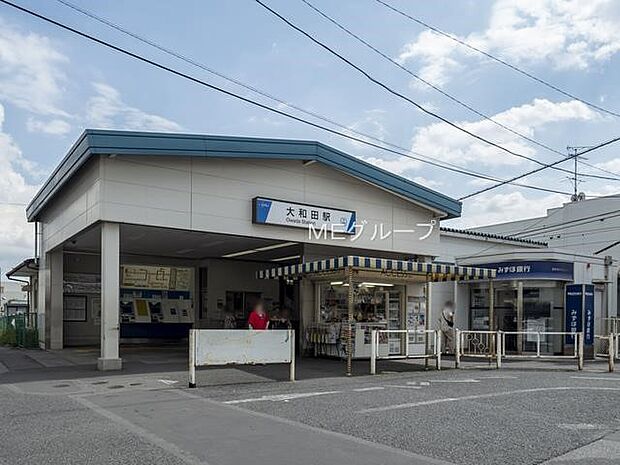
515	178
496	59
389	89
571	224
250	101
253	102
446	94
253	88
265	94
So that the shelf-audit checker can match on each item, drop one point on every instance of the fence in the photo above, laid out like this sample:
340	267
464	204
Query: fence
213	347
19	330
549	345
477	344
432	346
607	347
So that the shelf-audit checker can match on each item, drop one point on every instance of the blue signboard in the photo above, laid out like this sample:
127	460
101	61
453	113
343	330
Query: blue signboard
588	314
560	271
580	312
574	310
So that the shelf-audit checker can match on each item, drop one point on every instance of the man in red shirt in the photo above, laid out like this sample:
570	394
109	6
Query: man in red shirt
258	319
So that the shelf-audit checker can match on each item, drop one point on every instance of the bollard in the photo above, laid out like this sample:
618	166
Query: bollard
291	334
611	353
373	351
192	358
438	335
457	348
498	349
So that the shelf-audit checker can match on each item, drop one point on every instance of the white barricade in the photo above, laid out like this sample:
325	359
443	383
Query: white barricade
607	347
477	344
212	347
532	348
432	346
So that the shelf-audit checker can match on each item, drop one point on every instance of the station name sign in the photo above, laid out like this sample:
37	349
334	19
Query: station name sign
300	215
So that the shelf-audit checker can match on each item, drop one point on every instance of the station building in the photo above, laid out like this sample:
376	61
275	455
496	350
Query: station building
143	235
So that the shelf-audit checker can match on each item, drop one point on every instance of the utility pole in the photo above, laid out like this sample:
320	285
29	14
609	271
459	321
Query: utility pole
573	152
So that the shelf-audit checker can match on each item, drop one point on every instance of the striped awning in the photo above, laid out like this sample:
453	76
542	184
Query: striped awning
437	271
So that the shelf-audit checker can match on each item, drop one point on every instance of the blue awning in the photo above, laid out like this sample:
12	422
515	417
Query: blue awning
435	271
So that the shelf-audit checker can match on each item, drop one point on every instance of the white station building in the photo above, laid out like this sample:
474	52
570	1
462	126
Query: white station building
141	236
144	235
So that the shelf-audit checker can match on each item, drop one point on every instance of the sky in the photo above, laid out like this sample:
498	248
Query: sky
53	85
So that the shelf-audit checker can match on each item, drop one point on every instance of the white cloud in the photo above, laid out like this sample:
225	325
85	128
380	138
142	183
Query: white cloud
106	109
16	235
612	165
446	143
31	71
395	165
493	207
567	34
56	127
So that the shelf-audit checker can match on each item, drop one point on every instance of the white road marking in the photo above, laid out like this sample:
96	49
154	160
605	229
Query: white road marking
481	396
597	378
498	377
169	382
335	434
403	387
281	397
421	383
376	388
455	381
579	426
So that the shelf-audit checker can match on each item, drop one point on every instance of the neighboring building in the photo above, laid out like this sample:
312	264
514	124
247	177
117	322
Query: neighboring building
588	227
12	296
539	262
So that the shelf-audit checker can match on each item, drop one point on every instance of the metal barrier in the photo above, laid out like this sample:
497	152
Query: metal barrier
19	330
607	347
432	346
218	347
477	344
541	345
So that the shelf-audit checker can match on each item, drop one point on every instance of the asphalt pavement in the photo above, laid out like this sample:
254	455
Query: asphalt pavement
72	415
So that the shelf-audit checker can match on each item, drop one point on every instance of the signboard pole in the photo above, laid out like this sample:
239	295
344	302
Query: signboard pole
350	321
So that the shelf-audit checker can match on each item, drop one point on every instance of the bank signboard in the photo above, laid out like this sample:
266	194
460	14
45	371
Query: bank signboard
300	215
580	312
560	271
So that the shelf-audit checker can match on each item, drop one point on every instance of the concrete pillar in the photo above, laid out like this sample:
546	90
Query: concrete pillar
110	297
55	311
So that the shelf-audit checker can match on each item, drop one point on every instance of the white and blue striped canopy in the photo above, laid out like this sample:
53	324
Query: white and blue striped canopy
439	272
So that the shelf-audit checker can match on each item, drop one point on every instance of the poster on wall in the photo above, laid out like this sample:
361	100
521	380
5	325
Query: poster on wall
74	308
162	278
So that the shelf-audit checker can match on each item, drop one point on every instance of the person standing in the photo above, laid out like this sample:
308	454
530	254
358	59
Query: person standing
258	319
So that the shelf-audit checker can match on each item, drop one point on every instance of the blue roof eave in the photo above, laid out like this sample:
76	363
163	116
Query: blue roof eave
107	142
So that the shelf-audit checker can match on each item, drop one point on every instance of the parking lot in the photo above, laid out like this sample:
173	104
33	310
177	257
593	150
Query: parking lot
471	416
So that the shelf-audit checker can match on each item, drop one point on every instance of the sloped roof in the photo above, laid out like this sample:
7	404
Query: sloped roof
469	232
105	142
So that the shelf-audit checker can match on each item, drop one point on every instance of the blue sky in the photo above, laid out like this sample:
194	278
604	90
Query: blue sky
53	85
